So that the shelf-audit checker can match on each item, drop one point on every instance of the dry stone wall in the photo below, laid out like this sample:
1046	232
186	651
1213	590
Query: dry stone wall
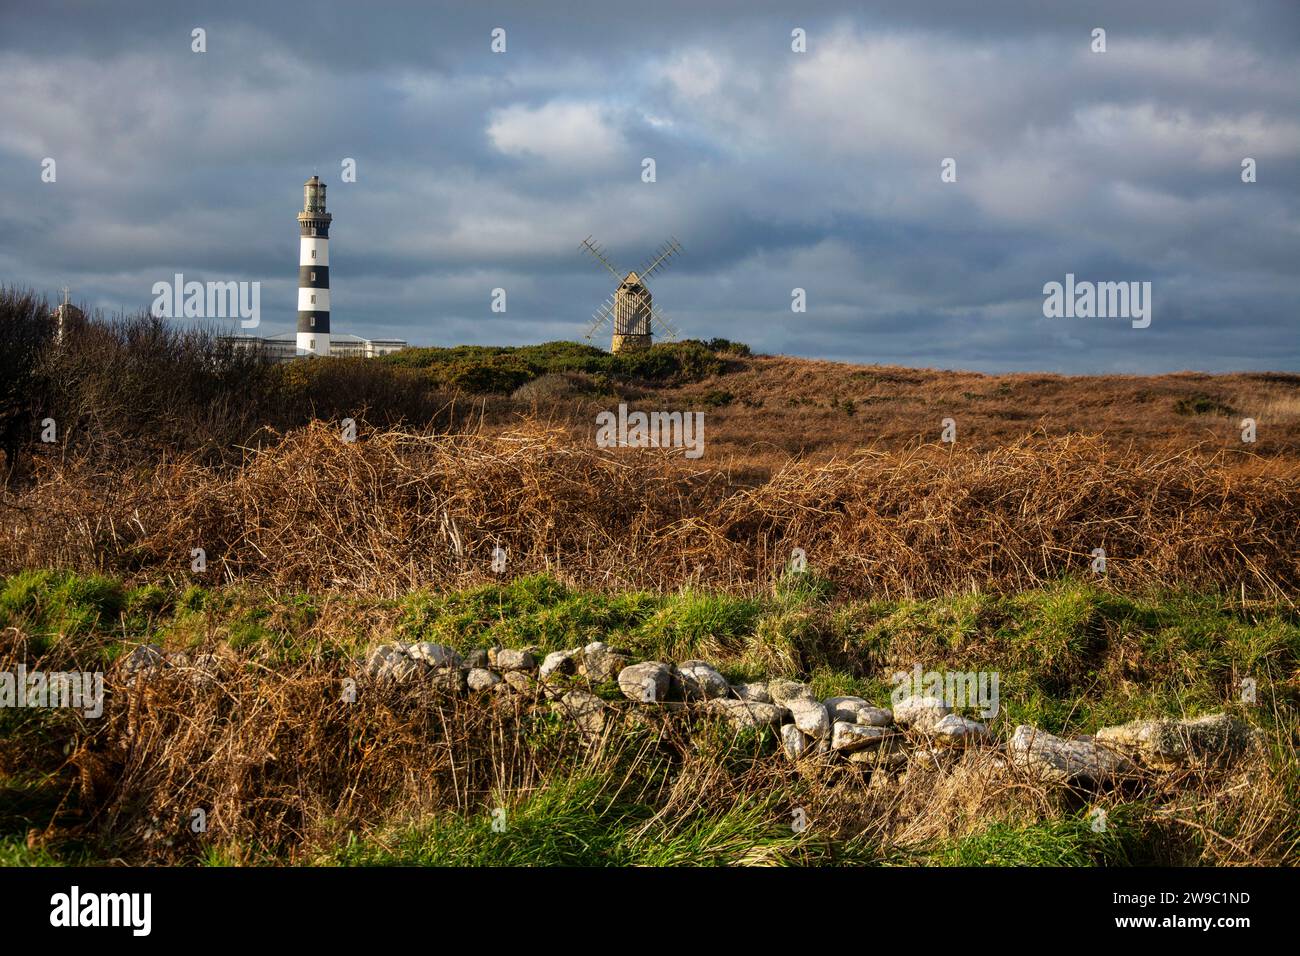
848	730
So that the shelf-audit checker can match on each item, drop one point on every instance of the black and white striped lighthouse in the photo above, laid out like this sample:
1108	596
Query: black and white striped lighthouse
314	271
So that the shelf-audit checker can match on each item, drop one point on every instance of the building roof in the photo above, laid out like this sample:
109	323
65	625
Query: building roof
334	337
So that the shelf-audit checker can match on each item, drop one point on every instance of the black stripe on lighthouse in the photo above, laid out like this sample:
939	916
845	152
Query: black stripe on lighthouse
313	321
313	277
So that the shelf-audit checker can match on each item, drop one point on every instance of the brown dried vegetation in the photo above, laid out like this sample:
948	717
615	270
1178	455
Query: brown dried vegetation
394	511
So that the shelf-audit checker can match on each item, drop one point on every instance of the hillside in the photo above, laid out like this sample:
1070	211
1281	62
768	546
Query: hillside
363	611
762	410
897	406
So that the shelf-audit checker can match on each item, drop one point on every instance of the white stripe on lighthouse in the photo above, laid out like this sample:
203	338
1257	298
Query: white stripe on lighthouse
318	343
305	303
308	245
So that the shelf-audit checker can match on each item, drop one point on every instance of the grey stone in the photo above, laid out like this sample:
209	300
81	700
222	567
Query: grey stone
920	713
783	691
586	710
646	682
794	742
848	737
1056	760
755	691
844	708
700	681
856	710
205	670
559	663
810	716
507	659
144	659
520	681
435	655
477	657
1170	744
889	754
447	680
599	663
952	729
381	659
480	678
400	669
745	714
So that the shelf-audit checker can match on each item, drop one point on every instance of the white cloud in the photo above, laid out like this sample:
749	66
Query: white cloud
561	132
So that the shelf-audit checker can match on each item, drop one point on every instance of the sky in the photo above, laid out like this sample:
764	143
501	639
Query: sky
775	169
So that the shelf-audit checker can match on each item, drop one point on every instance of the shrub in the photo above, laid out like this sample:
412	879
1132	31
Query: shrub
557	386
1202	405
493	379
717	398
481	369
728	346
671	363
25	332
350	388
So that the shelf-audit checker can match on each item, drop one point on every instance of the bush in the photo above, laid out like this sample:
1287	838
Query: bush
671	363
489	379
1202	405
136	388
558	386
717	398
352	388
728	346
481	369
25	332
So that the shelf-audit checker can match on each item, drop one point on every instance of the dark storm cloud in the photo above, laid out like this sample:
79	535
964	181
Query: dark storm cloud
775	170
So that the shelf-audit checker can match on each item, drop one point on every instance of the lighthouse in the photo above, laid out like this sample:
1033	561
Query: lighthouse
314	271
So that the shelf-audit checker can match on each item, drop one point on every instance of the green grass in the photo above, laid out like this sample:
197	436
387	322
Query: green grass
579	822
14	852
30	800
56	605
535	610
1071	841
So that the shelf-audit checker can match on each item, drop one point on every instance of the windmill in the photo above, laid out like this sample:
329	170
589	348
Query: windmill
631	306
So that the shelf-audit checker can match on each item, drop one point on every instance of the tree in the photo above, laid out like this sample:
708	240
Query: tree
26	331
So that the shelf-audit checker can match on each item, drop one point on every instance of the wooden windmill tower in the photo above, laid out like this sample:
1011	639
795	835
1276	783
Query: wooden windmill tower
631	305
